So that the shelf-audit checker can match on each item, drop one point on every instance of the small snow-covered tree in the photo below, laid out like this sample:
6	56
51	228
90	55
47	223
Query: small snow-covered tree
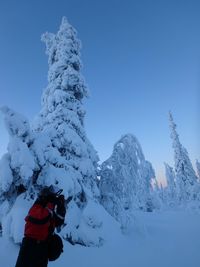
171	185
125	181
198	168
17	168
158	195
18	164
186	179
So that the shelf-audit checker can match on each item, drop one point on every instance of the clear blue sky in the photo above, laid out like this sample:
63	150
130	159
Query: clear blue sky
141	59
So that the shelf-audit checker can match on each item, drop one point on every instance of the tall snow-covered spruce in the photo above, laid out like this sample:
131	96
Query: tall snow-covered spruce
62	116
54	150
186	180
125	183
73	164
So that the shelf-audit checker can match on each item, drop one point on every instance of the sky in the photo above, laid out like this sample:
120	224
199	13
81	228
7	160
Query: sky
141	58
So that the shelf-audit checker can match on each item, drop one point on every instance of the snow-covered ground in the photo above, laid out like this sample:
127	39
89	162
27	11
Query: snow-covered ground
164	239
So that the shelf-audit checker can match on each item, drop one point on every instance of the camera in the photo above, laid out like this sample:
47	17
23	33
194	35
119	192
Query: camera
49	194
56	199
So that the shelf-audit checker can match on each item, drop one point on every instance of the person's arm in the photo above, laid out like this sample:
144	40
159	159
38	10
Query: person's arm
60	212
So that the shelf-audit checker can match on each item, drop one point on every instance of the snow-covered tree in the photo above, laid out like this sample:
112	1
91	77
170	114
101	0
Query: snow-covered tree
198	168
55	149
62	114
186	179
125	182
17	170
158	195
18	164
73	164
171	185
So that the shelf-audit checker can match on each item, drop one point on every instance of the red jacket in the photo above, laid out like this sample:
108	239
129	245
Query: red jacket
40	221
42	218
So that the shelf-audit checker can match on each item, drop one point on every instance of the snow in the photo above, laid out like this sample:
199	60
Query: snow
16	124
58	176
21	158
6	177
170	238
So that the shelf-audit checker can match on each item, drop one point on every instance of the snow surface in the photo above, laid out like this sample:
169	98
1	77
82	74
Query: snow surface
170	238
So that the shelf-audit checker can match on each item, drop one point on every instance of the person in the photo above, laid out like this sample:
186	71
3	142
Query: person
47	213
